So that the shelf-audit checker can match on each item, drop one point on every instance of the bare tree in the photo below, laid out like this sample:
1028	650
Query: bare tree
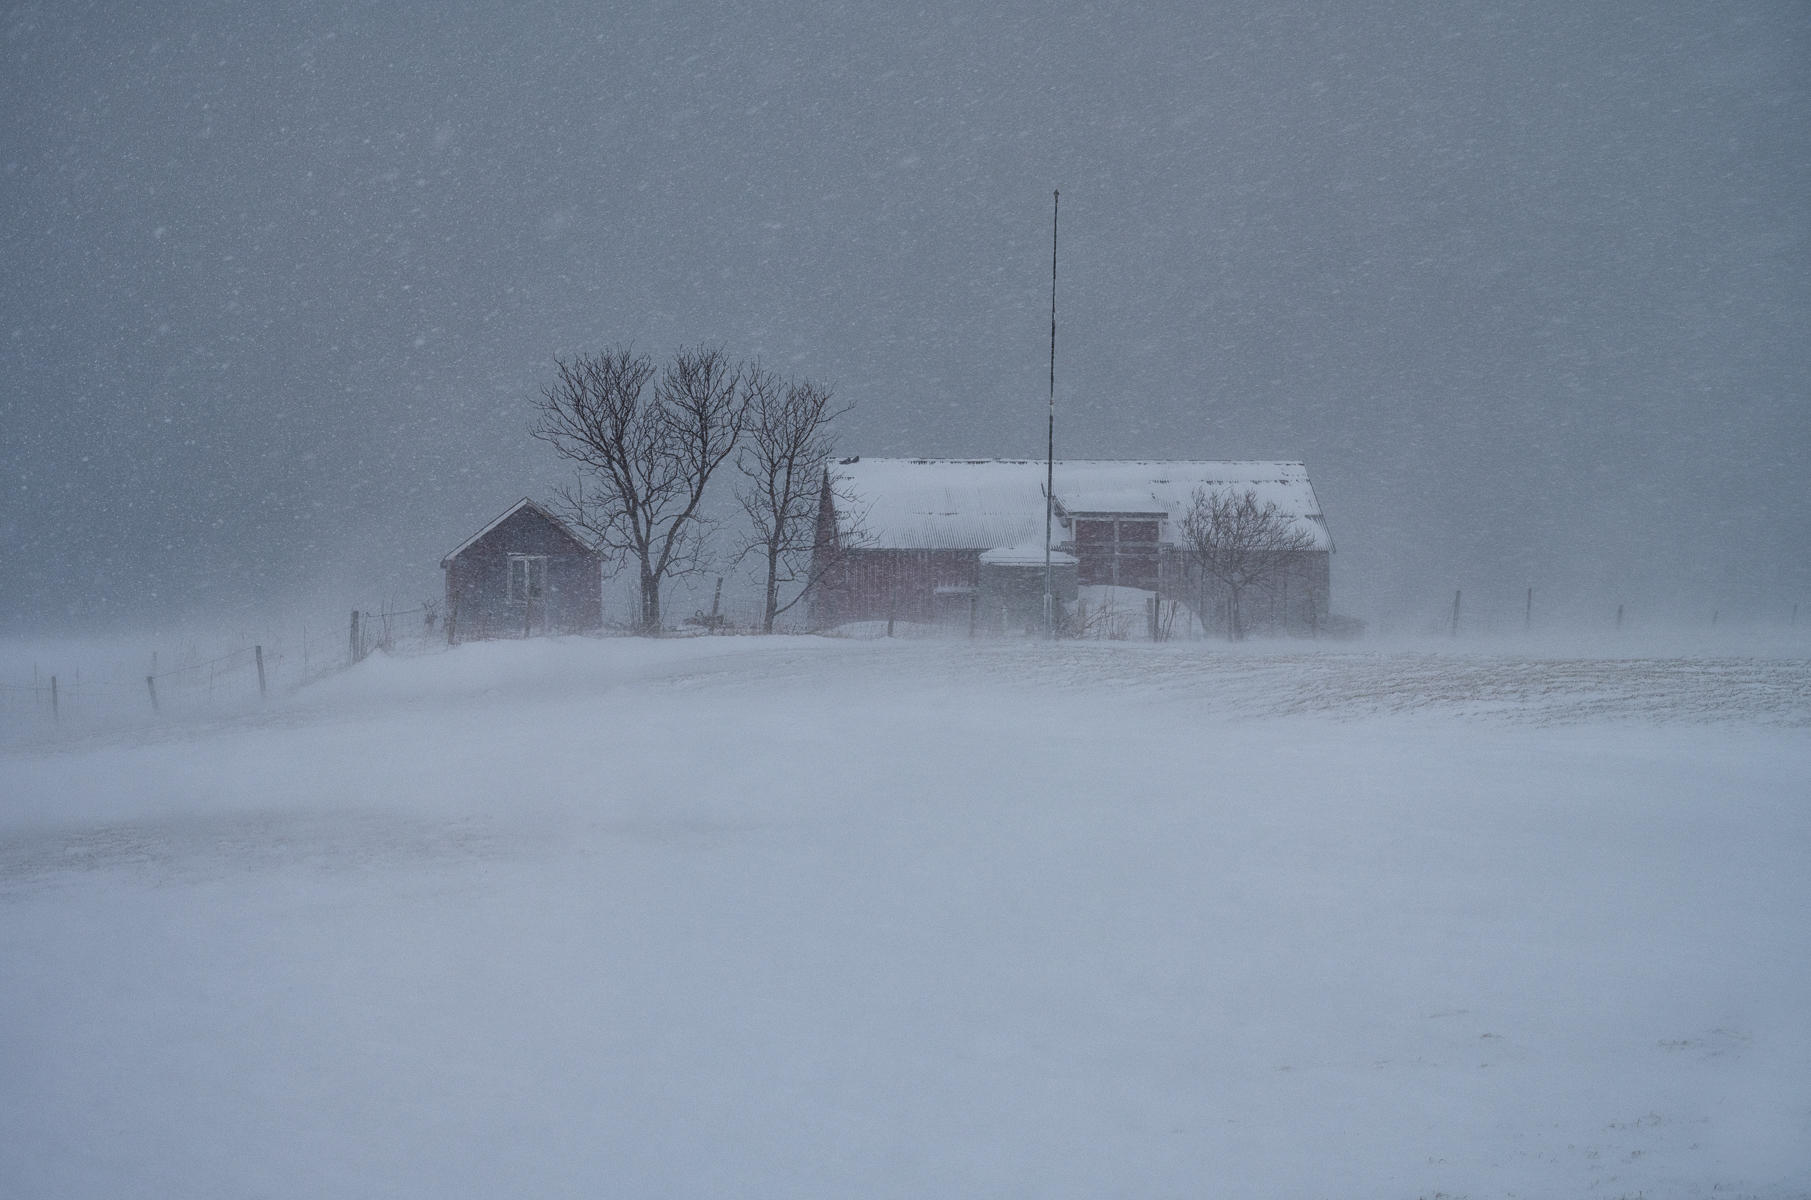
1240	544
783	460
644	455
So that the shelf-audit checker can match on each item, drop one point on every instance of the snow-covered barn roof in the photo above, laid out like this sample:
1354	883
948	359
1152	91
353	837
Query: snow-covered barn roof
1030	554
979	504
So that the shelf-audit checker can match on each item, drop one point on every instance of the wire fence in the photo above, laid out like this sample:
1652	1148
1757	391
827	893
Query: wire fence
1478	613
391	630
87	690
87	694
77	689
80	689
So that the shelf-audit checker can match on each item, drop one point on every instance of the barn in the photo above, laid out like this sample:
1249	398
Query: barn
953	540
526	573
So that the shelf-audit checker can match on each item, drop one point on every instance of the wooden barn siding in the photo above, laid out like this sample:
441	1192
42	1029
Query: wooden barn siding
1296	603
477	597
1123	551
872	585
868	585
477	583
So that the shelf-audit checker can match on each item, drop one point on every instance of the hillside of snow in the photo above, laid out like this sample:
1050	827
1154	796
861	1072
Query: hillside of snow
807	917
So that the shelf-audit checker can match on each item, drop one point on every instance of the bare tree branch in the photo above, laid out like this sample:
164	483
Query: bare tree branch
1240	544
783	462
643	456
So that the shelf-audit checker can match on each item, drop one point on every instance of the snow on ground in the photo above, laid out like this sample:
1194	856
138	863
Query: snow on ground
801	917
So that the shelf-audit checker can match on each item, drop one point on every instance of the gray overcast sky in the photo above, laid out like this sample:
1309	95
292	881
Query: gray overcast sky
1525	284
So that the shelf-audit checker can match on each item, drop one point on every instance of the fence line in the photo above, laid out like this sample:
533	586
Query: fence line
116	693
360	642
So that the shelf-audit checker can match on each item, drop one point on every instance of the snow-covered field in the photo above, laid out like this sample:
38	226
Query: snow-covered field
803	917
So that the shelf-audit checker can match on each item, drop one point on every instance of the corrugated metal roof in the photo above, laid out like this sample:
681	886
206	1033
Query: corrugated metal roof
979	504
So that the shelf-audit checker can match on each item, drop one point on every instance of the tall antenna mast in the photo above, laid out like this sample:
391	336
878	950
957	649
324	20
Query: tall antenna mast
1056	199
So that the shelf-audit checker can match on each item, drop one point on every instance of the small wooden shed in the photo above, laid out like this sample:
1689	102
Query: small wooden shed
524	574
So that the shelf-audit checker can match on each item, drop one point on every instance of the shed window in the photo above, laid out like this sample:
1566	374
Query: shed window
527	576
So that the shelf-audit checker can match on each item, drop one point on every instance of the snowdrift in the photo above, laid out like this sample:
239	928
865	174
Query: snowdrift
805	917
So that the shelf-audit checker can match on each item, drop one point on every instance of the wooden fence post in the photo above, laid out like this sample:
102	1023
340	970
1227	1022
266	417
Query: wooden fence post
1455	632
352	640
258	653
56	715
151	686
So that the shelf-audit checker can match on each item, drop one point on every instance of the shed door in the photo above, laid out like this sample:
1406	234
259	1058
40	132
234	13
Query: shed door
528	592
